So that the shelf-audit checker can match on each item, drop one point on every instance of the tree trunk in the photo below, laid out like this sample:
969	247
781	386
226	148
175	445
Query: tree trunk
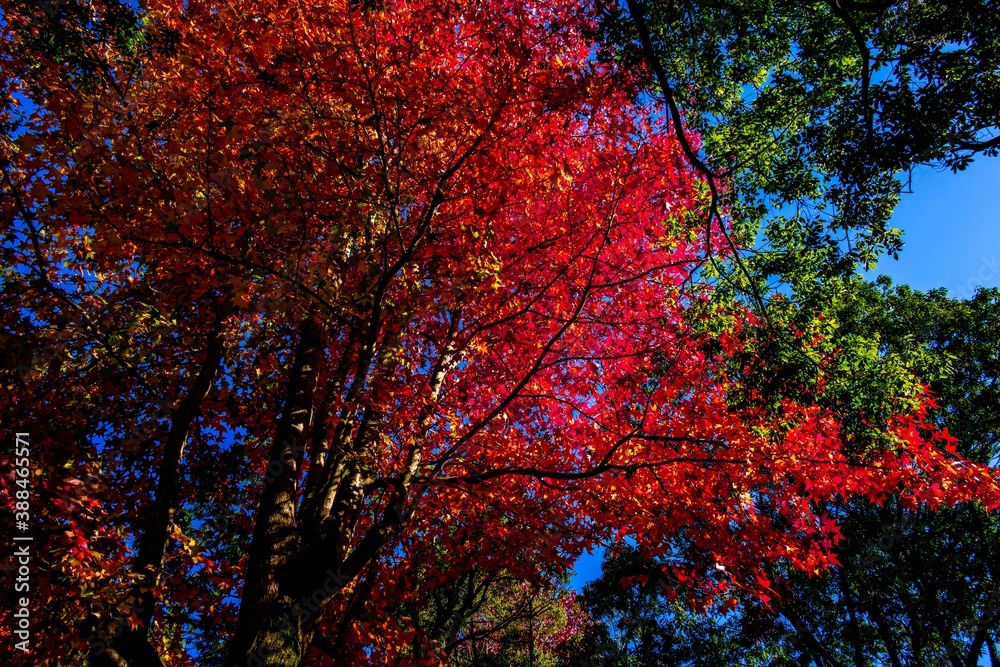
852	616
268	631
115	642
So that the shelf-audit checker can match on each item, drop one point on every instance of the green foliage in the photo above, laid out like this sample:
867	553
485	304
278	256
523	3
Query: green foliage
83	40
820	352
808	113
957	342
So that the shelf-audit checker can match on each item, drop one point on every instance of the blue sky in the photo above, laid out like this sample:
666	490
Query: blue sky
951	230
951	226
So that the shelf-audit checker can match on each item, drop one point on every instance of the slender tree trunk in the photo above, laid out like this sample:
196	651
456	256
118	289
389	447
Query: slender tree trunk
125	645
884	632
818	651
859	652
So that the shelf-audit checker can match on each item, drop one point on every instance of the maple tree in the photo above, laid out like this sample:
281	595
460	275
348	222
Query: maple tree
327	299
913	586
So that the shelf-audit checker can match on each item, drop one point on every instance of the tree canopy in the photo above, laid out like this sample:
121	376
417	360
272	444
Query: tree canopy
807	117
912	586
318	314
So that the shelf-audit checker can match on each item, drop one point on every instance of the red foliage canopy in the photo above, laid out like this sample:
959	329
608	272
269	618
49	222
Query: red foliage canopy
336	302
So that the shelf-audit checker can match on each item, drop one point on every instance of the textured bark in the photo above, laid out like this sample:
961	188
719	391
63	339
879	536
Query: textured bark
267	631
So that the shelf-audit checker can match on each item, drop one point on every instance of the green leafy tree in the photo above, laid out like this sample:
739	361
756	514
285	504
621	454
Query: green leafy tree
640	620
803	117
